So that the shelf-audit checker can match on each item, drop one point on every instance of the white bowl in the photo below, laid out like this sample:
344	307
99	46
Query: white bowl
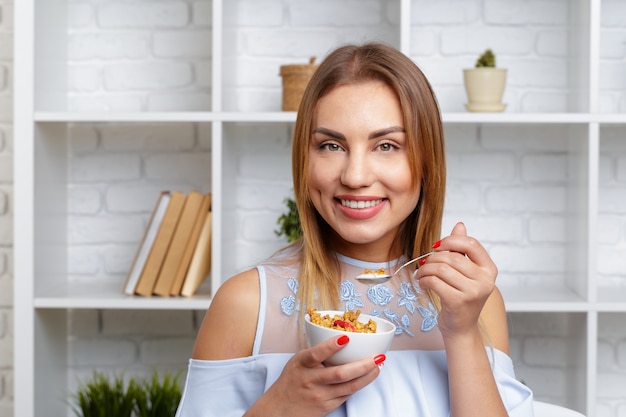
360	346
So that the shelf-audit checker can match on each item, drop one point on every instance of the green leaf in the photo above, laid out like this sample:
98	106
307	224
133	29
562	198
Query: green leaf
289	222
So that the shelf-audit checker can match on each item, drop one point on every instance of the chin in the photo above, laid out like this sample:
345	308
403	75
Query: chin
361	239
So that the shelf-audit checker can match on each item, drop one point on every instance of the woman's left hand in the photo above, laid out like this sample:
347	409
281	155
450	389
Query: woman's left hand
463	276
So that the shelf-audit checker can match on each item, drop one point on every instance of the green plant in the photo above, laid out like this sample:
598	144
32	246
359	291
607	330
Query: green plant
289	222
102	397
487	59
158	397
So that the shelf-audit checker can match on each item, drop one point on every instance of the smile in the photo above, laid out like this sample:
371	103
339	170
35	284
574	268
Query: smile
360	204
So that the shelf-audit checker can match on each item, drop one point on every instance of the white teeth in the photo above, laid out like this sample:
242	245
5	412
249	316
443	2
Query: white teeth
360	204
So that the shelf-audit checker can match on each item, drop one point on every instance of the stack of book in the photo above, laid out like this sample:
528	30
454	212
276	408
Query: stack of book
174	255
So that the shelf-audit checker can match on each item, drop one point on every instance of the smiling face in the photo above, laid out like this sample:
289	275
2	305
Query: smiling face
359	175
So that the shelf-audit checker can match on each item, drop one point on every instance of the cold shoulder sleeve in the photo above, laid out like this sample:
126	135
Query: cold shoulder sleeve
227	387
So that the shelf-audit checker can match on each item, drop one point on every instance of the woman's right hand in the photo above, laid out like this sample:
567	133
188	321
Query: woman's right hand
308	388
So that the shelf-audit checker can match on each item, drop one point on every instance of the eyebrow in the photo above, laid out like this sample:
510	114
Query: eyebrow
373	135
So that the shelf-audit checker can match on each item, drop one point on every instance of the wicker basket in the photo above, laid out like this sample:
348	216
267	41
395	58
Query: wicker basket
295	79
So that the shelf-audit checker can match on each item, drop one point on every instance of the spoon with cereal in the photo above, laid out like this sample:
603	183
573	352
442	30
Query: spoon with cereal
379	276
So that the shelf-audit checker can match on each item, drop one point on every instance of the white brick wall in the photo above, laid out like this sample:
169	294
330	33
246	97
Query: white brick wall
6	210
508	184
512	194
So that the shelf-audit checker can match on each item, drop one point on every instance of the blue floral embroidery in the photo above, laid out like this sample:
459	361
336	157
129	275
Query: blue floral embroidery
350	296
430	317
292	283
379	295
402	323
288	304
428	314
407	297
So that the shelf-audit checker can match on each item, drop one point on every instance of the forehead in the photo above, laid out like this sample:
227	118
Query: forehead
364	103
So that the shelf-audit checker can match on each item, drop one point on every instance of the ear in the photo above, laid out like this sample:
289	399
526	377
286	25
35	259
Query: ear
459	229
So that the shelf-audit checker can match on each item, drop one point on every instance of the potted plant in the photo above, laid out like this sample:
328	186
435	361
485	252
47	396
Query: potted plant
484	84
102	396
158	397
289	222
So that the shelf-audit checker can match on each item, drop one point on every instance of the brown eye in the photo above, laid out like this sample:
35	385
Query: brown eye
332	147
387	146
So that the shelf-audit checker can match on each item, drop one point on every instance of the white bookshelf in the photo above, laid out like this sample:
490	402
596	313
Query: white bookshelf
43	117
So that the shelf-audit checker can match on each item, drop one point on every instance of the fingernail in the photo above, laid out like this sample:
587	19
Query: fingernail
422	261
343	340
378	359
436	244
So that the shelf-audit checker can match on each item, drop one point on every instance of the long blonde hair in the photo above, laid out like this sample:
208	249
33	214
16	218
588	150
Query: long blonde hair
319	278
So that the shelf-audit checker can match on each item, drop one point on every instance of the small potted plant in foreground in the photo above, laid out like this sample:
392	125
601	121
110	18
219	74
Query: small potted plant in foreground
484	84
104	396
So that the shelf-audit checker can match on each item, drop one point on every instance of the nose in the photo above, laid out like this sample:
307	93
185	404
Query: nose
358	171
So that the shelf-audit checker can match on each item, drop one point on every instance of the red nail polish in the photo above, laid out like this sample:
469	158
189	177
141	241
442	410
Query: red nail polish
436	244
343	340
422	261
378	359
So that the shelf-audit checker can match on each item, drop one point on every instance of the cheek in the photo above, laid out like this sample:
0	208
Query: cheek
319	176
401	185
398	177
315	185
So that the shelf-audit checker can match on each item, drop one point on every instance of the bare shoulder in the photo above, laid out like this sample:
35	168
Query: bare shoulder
494	320
229	326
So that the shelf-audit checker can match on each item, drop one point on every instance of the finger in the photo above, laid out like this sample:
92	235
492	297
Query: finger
339	393
467	245
442	263
440	275
456	283
464	244
444	291
353	376
459	229
352	370
457	271
316	355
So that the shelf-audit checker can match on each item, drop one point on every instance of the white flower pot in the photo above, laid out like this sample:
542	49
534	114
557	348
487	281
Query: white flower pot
484	87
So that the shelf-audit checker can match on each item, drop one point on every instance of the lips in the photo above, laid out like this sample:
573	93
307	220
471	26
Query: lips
361	209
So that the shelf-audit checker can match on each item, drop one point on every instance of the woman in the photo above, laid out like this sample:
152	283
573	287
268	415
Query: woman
369	181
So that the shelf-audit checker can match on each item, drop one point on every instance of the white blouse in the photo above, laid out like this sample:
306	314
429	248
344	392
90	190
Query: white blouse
413	380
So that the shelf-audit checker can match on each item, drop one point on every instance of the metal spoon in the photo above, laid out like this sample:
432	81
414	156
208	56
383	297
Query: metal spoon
374	278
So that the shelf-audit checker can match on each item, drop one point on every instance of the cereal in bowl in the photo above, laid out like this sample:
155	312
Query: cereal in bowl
347	322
